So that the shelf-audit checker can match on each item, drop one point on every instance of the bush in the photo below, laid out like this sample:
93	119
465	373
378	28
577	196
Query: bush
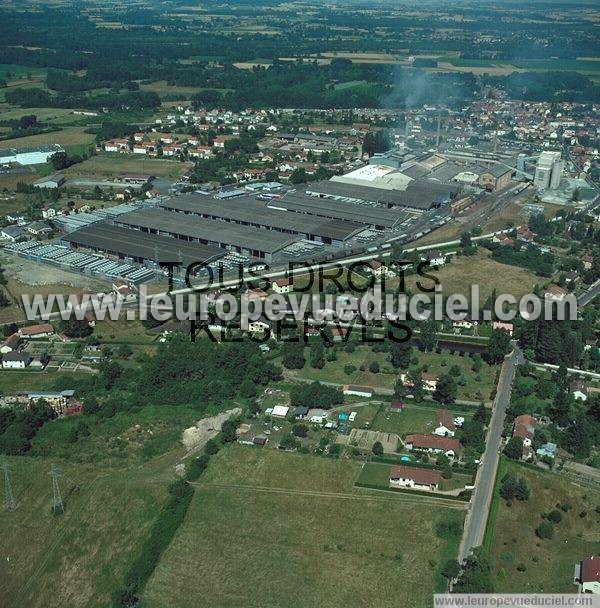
300	430
545	530
377	448
211	447
197	466
555	516
349	369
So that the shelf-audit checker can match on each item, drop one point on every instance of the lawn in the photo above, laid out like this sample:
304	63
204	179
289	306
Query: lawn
78	558
105	165
361	357
12	381
267	528
548	563
409	420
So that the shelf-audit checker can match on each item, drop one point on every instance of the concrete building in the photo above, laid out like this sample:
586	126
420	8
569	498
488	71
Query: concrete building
15	360
50	182
548	171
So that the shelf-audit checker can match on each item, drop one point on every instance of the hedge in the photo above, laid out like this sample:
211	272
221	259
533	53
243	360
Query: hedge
162	532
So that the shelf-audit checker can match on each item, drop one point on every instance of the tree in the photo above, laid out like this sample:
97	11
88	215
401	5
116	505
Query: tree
451	569
293	355
125	351
317	355
428	334
248	389
514	448
401	353
110	371
374	367
446	389
300	430
499	346
228	430
74	328
90	406
476	574
545	530
377	448
555	516
482	414
211	447
473	435
59	160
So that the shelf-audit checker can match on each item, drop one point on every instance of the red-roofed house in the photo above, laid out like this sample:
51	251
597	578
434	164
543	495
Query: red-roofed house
587	575
432	443
444	423
283	285
414	477
525	428
36	331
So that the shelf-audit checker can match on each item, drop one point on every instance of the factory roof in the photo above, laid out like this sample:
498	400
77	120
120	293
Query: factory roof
132	243
249	210
211	231
419	194
370	215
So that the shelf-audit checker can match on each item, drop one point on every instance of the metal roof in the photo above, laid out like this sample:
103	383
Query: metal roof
250	211
136	244
223	234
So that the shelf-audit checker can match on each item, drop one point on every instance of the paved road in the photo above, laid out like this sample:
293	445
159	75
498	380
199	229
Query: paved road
484	484
589	295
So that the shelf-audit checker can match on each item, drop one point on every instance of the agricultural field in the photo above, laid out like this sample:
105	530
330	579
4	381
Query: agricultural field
105	165
523	562
72	139
162	89
479	269
257	512
78	558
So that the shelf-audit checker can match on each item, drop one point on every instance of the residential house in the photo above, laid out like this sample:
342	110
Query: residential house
43	330
256	294
15	360
259	326
260	440
10	344
430	381
504	240
579	390
280	411
507	327
587	575
433	444
434	257
524	234
283	285
444	423
524	427
377	268
413	477
555	293
301	412
588	261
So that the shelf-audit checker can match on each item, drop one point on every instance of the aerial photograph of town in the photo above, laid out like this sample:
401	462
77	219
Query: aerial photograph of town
298	303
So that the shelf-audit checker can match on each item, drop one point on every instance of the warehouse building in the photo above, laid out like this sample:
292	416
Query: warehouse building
418	195
37	155
139	247
248	211
253	242
340	209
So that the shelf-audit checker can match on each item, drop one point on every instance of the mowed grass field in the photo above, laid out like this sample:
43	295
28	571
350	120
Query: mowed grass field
267	529
112	166
548	563
78	558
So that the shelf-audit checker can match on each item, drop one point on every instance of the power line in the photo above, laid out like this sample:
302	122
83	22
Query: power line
57	503
9	499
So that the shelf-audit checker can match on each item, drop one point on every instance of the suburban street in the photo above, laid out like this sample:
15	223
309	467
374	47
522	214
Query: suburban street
484	484
589	295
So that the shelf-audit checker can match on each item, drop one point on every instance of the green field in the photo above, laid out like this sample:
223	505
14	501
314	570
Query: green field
78	558
12	381
409	420
548	563
267	528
